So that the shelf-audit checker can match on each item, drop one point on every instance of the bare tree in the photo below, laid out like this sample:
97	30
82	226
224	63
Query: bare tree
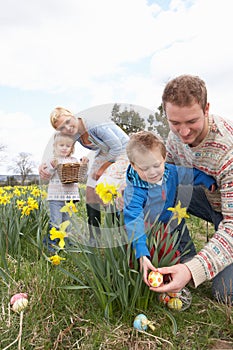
23	165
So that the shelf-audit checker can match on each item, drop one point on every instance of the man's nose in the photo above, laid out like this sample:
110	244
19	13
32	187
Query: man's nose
184	130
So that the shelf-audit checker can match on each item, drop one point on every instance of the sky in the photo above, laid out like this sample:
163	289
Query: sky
85	53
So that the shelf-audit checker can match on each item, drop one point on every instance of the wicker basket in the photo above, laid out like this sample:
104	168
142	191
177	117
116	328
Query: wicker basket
69	172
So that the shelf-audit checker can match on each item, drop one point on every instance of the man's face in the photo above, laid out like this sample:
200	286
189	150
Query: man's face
189	123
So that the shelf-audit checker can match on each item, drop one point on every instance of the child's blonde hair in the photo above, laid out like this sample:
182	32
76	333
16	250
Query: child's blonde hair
58	137
57	113
144	141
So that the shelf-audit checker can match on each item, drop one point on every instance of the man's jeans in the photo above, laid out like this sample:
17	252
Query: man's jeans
198	205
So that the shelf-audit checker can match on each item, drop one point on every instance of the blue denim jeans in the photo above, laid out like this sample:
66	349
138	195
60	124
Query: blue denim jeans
198	205
56	217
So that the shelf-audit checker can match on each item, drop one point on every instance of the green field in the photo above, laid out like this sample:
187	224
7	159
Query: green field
90	300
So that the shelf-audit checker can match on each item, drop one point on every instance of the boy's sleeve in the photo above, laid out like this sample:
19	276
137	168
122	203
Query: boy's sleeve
193	176
201	178
134	199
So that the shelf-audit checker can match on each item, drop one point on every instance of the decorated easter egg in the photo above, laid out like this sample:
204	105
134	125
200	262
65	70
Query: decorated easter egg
174	295
155	278
175	304
140	322
19	301
164	298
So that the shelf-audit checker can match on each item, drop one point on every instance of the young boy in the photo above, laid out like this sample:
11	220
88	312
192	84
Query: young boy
151	189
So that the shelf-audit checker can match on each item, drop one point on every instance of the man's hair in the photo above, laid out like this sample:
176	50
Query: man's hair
144	141
57	113
185	90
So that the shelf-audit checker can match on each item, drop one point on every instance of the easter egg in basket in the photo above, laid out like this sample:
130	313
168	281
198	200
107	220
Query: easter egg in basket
174	303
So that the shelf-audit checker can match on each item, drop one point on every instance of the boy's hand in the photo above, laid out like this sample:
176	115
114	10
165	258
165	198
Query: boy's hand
145	267
213	188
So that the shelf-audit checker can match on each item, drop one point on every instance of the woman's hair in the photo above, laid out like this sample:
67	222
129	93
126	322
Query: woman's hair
59	137
57	113
144	141
185	90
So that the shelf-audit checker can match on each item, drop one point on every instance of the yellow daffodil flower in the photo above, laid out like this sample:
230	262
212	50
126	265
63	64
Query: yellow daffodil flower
32	203
20	203
60	234
69	208
5	199
36	192
56	259
26	210
17	192
44	194
2	191
179	213
107	192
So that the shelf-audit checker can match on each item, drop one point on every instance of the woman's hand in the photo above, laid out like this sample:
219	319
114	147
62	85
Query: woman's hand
145	266
43	172
84	160
179	275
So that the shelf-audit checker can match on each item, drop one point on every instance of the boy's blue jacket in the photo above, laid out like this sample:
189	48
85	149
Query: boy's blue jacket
151	201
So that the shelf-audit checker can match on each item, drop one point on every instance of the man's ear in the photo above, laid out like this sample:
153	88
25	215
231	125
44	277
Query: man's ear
207	108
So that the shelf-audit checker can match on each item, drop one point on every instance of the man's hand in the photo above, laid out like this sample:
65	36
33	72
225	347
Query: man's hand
179	274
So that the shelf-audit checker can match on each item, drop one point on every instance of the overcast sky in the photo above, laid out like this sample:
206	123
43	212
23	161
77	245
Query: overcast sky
83	53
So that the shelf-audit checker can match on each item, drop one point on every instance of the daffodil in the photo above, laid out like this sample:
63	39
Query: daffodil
2	191
107	192
5	199
60	234
26	210
69	208
32	203
36	192
20	203
17	192
44	194
56	259
178	212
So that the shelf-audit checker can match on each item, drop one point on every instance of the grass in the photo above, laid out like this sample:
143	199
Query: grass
58	318
64	319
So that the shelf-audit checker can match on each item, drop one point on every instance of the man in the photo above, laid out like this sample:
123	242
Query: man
205	142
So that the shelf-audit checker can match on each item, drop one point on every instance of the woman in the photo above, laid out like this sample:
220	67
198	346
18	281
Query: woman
110	163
